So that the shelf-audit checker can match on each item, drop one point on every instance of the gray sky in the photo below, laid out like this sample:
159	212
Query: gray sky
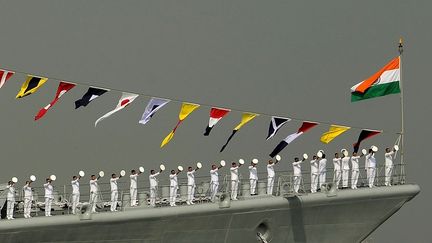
294	59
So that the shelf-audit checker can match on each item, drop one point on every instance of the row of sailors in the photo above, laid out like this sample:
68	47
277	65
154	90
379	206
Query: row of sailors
75	197
318	177
342	168
94	189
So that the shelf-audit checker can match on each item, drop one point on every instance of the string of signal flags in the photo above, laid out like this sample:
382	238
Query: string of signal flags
364	90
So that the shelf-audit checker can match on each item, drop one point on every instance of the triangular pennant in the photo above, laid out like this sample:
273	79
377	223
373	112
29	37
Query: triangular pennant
30	86
61	90
304	128
246	117
91	94
152	107
125	100
333	132
216	114
275	124
4	76
364	134
185	111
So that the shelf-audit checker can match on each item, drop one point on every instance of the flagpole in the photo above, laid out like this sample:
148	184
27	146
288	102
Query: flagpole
402	133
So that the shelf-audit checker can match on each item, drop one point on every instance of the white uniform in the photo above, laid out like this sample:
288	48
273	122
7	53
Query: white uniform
354	171
191	187
337	171
270	178
75	195
153	188
94	191
371	162
297	175
345	171
114	194
322	171
173	189
367	169
133	189
10	201
28	198
314	175
214	183
234	182
253	178
388	167
48	198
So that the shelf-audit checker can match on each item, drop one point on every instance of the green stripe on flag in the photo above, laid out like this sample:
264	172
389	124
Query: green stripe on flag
377	91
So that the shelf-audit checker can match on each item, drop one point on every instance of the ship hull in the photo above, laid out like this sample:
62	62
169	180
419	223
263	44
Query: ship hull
348	216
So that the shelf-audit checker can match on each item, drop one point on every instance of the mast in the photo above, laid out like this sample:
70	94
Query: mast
402	132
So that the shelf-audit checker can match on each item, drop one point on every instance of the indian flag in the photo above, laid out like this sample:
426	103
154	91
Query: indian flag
384	82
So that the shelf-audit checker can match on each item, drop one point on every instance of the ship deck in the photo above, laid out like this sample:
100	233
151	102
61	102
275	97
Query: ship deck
327	216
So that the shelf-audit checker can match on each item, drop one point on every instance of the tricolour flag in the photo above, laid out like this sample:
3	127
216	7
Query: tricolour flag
124	101
384	82
364	134
4	76
304	128
152	107
61	90
246	117
215	115
91	94
185	111
333	132
30	86
275	124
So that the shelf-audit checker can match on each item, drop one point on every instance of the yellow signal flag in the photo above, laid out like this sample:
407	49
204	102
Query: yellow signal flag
246	117
30	86
185	111
333	132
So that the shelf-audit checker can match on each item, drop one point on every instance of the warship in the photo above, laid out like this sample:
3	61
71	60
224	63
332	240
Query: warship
285	215
330	215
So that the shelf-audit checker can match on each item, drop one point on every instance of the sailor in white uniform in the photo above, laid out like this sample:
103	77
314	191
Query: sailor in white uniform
28	198
214	182
314	173
388	165
94	192
134	187
371	163
270	175
297	173
234	180
114	192
366	167
75	193
153	186
253	178
337	170
49	197
322	169
173	187
10	200
355	169
345	169
191	185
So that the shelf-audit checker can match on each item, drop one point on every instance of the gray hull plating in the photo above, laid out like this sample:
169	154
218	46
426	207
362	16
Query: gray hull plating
350	216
